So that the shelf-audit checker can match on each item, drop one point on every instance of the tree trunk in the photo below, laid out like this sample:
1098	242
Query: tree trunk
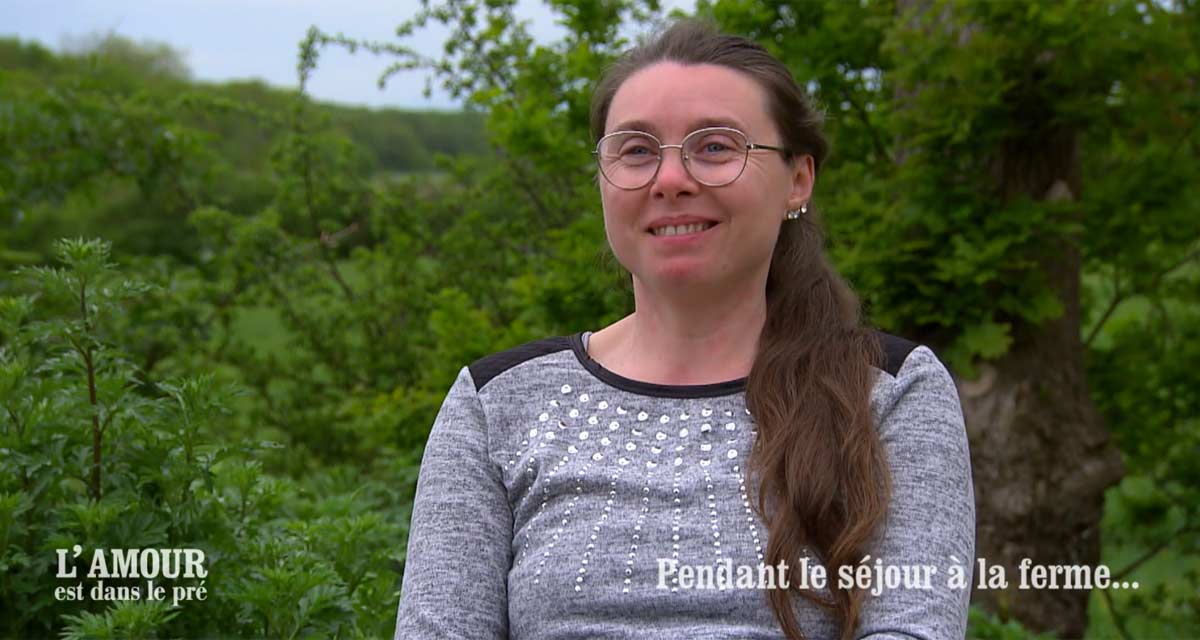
1041	456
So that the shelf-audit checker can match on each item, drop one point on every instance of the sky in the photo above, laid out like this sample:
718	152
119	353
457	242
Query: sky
240	39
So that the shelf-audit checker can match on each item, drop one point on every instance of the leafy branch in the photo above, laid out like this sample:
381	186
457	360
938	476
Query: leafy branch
1120	296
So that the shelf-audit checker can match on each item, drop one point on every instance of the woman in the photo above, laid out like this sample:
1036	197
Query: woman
689	471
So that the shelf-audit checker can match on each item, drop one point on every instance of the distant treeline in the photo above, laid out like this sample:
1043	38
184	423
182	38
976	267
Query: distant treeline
116	139
398	141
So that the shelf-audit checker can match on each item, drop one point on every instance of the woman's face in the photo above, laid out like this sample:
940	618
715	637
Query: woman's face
669	101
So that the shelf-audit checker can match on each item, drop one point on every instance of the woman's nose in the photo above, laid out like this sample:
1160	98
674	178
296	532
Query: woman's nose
673	176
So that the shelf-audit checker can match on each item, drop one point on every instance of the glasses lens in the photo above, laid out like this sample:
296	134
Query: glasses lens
628	159
715	156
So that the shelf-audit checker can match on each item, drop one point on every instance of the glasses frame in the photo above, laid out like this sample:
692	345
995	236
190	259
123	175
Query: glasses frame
687	165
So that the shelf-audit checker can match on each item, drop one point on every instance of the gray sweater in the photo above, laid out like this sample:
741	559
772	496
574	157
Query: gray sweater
558	499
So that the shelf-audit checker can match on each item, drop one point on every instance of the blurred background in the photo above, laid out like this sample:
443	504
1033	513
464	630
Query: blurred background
239	276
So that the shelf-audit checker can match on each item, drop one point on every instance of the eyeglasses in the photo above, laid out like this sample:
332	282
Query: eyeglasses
714	156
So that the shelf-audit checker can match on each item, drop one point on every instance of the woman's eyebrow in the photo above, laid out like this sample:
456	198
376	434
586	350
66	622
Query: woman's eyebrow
702	123
634	125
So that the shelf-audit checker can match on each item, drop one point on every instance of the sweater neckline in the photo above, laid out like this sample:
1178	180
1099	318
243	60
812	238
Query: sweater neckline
619	381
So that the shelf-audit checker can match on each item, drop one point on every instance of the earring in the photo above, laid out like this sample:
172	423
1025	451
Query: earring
796	213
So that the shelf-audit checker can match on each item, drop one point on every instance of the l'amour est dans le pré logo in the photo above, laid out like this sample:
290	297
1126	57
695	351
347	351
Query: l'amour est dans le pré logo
115	575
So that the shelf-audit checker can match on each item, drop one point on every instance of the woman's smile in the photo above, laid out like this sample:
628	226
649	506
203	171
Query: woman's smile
682	235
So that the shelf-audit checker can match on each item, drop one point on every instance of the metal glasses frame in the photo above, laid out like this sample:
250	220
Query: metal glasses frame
687	165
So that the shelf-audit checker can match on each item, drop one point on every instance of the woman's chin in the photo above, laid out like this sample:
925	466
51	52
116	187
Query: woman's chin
684	273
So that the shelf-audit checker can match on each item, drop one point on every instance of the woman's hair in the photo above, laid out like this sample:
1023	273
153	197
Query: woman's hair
822	475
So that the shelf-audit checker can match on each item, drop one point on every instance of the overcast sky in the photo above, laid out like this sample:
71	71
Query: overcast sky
227	39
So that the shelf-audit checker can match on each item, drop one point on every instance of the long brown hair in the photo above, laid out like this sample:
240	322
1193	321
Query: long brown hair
822	475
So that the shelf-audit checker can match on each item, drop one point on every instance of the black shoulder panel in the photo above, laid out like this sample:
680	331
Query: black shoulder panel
488	367
895	351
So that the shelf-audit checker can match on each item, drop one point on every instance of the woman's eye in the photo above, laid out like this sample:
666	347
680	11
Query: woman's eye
715	145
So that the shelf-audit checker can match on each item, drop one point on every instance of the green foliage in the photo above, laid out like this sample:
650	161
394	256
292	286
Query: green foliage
1143	378
100	455
285	290
147	58
983	626
133	619
912	200
78	144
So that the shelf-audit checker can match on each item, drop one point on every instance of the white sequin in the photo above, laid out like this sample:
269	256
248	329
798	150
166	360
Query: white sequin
544	417
642	416
566	388
583	435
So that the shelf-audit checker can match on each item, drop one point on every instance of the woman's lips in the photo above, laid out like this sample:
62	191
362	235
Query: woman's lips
683	238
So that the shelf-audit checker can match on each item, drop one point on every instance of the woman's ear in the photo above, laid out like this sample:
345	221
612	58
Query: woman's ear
803	177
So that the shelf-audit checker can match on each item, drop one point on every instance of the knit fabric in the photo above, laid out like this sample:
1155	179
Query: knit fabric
557	499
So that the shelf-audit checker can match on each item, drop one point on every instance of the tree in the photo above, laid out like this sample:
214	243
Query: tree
145	58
